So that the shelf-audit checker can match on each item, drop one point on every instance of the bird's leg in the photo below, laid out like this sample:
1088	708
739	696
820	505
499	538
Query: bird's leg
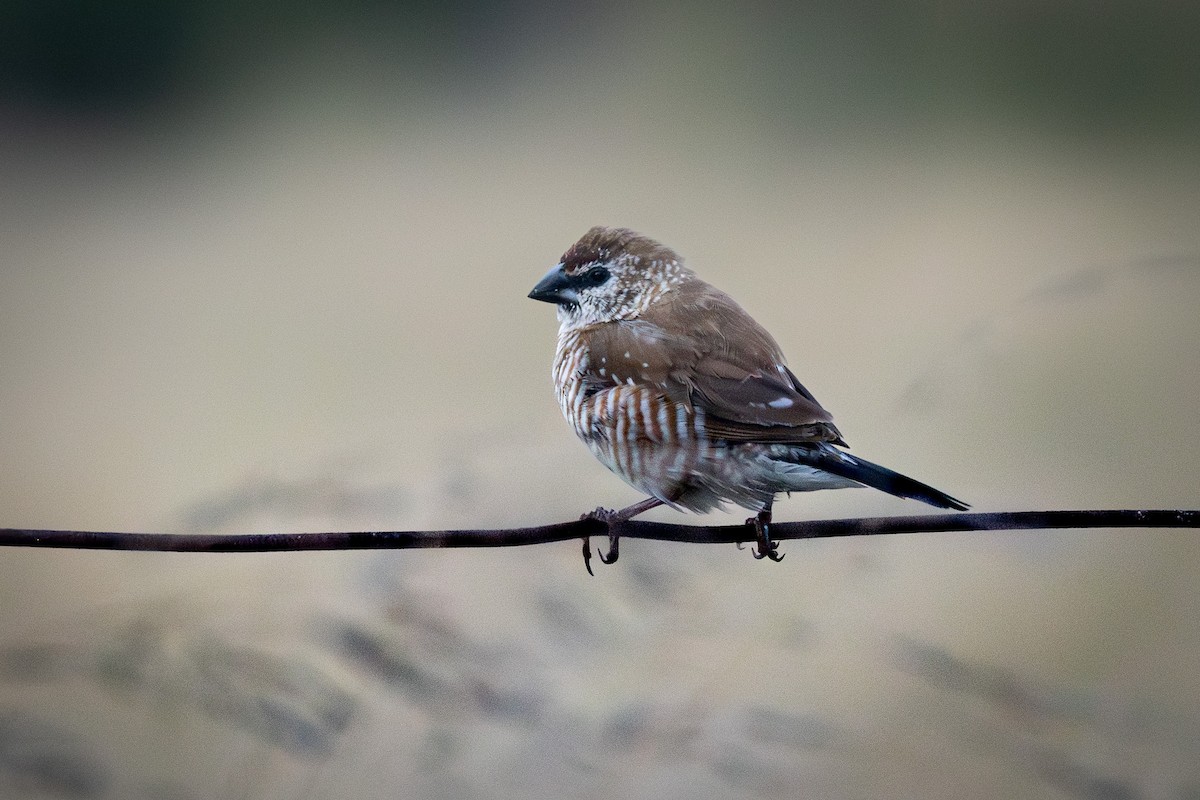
627	513
764	547
611	518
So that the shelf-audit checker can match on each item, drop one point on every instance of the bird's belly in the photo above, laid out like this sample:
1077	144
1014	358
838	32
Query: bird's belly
649	445
660	448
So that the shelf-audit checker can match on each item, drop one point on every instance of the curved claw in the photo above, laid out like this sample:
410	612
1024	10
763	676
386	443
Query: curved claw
587	555
771	551
614	550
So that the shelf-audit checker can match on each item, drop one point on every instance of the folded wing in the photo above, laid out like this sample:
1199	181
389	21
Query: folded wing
702	350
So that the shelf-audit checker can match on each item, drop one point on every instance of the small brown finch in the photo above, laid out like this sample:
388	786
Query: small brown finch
677	390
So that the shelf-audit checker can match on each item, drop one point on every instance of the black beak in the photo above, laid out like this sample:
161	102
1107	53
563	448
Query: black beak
556	287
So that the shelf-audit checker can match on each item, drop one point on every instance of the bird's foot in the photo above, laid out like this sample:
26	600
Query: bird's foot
602	514
764	547
608	517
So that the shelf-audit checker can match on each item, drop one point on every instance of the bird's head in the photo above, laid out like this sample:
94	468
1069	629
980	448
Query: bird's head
610	274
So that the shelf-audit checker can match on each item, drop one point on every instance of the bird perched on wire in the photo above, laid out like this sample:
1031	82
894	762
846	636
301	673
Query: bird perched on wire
681	393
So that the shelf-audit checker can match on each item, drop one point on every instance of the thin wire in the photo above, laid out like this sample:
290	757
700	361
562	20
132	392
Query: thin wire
587	527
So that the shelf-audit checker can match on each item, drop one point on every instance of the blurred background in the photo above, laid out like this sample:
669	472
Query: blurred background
263	268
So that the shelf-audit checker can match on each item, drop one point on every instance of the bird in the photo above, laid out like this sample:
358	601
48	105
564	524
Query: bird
681	393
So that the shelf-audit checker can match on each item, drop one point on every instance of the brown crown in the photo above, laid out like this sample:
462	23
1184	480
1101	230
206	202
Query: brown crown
602	244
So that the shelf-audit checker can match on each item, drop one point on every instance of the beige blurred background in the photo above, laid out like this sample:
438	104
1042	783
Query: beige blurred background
265	270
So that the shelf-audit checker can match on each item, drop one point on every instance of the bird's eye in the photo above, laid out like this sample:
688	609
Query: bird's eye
597	276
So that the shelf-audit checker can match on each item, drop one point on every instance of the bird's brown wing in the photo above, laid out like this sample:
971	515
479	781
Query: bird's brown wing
700	348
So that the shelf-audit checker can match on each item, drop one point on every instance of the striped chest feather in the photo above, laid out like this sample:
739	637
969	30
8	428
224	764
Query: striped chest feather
603	407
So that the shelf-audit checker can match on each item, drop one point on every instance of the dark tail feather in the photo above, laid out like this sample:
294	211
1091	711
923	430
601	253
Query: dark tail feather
857	469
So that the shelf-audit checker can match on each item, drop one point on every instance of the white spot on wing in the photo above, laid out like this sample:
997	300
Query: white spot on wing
782	402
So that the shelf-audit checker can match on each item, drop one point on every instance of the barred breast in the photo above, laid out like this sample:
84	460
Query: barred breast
656	445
